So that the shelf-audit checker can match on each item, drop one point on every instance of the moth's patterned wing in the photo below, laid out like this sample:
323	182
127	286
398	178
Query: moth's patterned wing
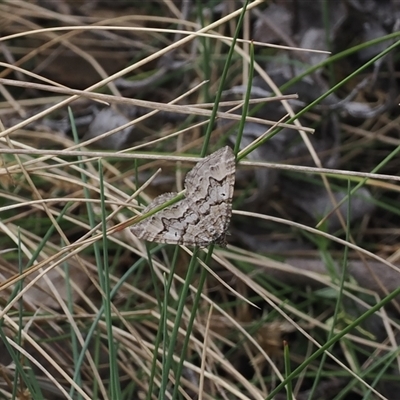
176	224
209	186
203	216
169	224
219	165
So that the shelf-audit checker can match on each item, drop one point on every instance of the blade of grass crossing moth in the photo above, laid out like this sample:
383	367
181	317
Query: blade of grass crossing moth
149	258
193	263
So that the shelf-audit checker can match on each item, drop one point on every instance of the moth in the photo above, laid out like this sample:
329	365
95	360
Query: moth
203	216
